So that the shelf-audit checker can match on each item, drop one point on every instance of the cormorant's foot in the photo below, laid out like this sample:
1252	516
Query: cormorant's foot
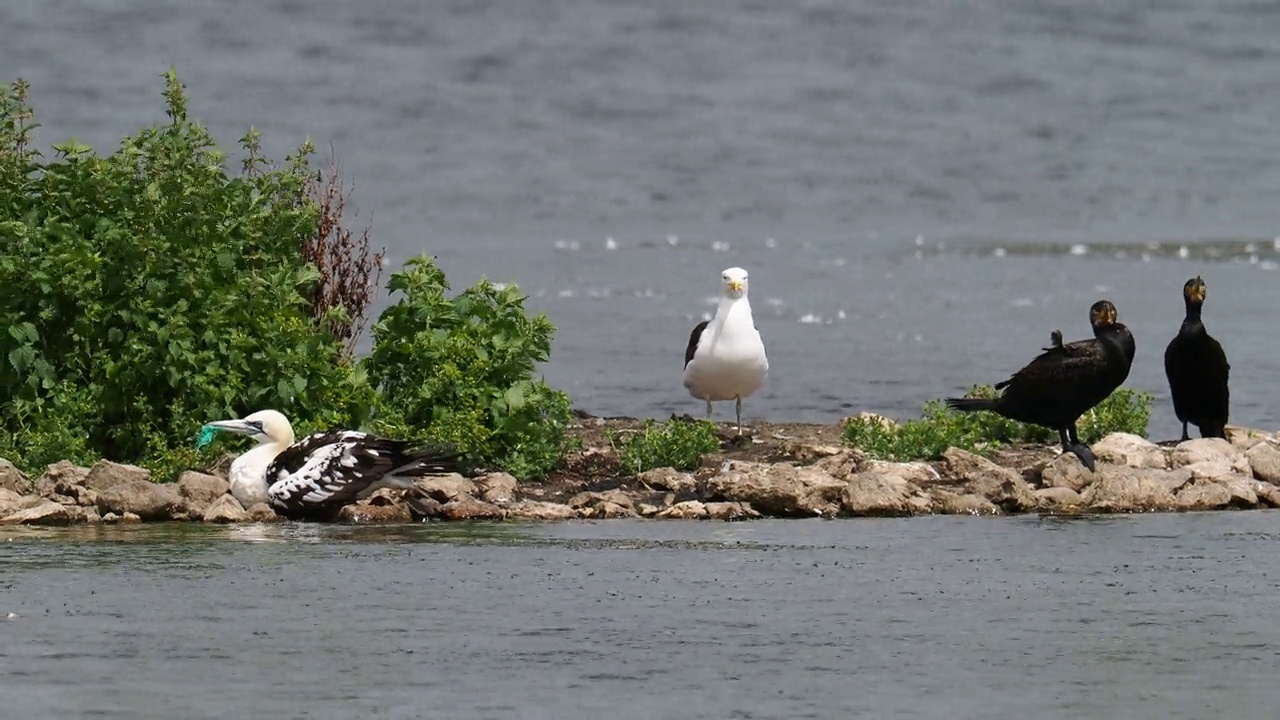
1085	454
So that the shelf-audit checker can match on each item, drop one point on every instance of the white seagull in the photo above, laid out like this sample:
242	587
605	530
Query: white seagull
725	358
324	471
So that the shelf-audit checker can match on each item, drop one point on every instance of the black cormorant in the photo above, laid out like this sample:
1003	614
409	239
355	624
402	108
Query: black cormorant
1197	370
1065	381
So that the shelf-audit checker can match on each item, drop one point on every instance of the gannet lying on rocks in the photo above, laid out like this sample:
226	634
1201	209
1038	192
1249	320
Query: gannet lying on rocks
324	471
725	358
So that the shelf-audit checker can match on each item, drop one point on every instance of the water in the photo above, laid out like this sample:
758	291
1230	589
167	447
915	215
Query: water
864	160
1166	616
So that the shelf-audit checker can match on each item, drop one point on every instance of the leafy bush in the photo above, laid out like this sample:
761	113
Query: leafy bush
941	427
679	444
148	291
461	370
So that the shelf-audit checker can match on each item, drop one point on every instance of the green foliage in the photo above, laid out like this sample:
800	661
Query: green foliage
679	444
148	291
461	370
941	427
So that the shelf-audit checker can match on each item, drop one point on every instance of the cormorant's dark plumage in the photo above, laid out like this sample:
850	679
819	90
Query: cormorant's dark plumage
1197	370
1065	381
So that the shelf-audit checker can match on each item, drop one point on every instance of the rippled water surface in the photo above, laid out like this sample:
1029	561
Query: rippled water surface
921	191
1163	616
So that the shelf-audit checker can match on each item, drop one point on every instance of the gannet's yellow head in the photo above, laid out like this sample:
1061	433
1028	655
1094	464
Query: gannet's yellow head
265	426
735	282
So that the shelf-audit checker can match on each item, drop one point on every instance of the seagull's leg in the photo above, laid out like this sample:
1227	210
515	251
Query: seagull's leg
708	409
738	406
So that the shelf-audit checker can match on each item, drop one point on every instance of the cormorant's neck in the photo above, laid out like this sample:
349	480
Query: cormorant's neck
1193	313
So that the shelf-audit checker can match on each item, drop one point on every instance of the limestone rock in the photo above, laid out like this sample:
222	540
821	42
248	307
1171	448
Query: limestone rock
443	488
1199	450
1058	498
843	465
11	478
594	499
105	474
43	512
877	493
139	497
1243	494
1128	490
803	452
950	503
465	507
1174	480
687	510
1264	462
198	491
668	479
10	501
730	511
647	510
980	476
1245	438
539	510
1130	450
1203	494
1268	494
374	514
778	490
497	487
110	518
607	509
81	514
262	512
60	474
1066	471
131	518
224	509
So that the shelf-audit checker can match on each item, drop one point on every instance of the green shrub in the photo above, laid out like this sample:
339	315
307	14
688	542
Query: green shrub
461	370
148	290
941	427
679	444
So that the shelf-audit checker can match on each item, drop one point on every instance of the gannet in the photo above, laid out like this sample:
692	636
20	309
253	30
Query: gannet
324	471
725	359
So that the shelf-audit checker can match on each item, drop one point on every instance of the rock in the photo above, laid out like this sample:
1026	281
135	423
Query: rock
687	510
43	512
131	518
1173	480
1245	438
668	479
920	504
1242	491
261	513
980	476
374	514
10	501
225	509
730	511
594	499
443	488
1267	493
465	507
1130	450
539	510
804	452
11	478
608	509
86	515
1264	462
647	510
1203	494
877	493
110	518
1058	498
61	473
497	487
950	503
139	497
1066	471
920	474
842	466
106	474
1121	489
1199	450
780	490
198	491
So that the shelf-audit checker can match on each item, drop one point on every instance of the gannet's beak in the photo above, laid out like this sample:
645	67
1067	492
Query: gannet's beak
239	427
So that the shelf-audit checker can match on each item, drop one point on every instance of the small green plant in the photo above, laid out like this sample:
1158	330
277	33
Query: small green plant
940	427
461	370
679	444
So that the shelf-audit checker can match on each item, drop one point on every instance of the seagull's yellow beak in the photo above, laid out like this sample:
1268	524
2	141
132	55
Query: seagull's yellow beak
737	285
